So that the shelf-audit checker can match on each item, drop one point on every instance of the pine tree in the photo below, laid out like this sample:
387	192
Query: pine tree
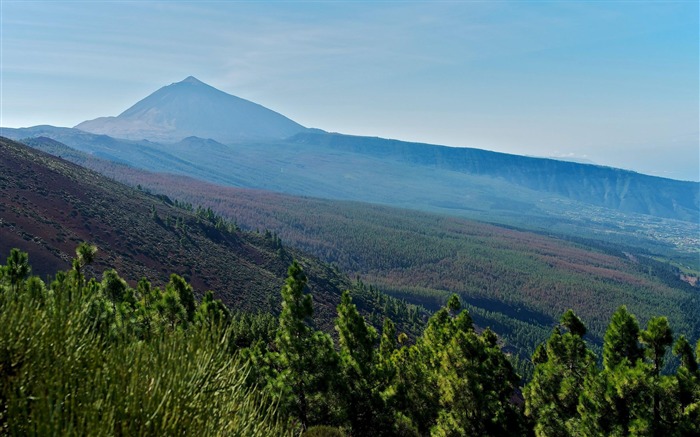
17	268
619	400
85	255
307	360
387	346
688	382
657	338
185	294
113	287
360	396
561	367
171	309
475	383
212	311
621	340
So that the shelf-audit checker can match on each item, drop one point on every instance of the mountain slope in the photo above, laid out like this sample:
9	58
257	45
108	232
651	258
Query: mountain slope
516	282
193	108
48	206
424	257
339	172
612	188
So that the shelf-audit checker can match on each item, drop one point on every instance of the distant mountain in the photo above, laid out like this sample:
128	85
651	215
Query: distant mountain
195	130
49	205
193	108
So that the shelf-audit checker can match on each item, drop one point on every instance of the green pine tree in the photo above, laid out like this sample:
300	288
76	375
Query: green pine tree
561	367
360	394
306	360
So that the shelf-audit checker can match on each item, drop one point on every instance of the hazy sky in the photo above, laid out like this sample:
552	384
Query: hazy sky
616	83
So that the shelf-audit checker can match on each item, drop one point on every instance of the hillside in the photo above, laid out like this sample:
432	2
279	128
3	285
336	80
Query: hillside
303	169
48	206
516	282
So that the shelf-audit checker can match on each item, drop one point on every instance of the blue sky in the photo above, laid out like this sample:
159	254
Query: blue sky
615	83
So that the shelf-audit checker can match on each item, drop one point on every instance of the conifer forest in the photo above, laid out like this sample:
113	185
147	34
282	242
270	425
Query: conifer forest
96	356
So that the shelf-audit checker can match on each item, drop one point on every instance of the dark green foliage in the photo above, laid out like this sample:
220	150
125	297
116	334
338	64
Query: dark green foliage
570	395
454	381
306	357
133	362
571	322
621	340
113	286
657	338
688	380
185	294
17	268
85	253
248	329
212	311
359	391
561	367
683	349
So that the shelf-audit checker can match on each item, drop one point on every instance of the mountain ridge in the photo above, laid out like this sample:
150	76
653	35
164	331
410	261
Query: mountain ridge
591	183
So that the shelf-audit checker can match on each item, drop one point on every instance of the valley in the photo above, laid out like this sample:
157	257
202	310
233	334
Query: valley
520	239
350	219
513	281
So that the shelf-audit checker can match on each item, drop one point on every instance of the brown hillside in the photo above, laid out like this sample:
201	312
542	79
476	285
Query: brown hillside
48	206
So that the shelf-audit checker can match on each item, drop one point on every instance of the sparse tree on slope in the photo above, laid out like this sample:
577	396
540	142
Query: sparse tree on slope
17	268
85	255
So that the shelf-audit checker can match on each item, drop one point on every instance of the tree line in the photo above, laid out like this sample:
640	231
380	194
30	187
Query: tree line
81	356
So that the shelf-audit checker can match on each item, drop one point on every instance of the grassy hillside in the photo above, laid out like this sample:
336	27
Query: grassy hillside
48	206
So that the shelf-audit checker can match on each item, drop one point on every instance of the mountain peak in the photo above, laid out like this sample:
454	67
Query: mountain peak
175	112
191	79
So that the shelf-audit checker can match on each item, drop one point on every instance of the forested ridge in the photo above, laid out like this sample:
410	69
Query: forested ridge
80	356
